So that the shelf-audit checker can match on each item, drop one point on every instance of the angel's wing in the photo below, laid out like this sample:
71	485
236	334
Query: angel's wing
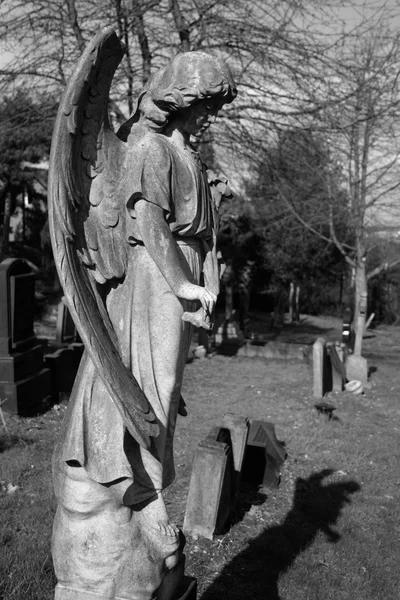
87	229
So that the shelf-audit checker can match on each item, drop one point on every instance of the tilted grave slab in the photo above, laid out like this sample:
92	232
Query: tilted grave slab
264	457
210	492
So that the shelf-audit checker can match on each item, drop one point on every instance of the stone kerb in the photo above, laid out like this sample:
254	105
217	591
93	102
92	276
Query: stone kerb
274	350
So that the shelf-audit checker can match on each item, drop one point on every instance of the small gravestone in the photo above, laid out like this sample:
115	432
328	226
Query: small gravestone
63	354
66	332
318	363
210	491
63	367
329	373
24	380
264	457
320	374
229	336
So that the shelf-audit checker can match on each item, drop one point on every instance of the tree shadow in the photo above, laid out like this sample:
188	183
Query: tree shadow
255	572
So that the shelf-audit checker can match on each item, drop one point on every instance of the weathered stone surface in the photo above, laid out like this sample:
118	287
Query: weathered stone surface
210	492
319	367
133	221
272	349
356	368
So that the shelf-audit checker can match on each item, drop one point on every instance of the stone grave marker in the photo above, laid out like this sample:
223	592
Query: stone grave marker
24	380
229	336
264	457
321	377
66	332
63	354
328	369
210	491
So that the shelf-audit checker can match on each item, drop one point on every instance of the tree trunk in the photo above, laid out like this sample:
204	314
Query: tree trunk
181	25
360	306
297	304
294	298
291	302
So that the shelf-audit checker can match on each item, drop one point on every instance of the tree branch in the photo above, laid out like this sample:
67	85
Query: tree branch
383	267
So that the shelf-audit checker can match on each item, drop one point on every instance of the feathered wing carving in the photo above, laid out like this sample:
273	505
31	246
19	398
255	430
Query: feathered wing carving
87	225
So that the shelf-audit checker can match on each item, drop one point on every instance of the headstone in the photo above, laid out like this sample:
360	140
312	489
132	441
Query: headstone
66	332
357	368
63	354
329	371
63	364
24	380
17	301
264	457
321	383
210	491
229	336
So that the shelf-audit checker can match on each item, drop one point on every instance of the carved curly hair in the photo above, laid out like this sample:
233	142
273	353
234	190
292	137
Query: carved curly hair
185	80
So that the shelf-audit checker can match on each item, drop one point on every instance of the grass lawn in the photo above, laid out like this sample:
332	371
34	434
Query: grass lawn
332	528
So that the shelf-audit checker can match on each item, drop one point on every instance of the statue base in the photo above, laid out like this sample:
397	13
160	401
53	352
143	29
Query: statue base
187	590
175	586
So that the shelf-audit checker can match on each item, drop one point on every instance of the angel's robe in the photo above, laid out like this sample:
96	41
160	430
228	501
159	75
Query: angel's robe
147	317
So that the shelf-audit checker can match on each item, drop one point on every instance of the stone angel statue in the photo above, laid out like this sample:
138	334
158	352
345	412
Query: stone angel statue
133	226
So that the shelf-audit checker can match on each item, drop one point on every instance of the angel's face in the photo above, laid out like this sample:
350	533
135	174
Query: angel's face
198	117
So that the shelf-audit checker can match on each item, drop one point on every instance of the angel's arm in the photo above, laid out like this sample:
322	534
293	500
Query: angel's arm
162	247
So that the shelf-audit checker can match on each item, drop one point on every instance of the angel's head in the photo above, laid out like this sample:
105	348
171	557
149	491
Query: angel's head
192	78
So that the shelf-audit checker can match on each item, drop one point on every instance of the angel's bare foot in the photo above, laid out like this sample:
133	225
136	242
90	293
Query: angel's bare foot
154	513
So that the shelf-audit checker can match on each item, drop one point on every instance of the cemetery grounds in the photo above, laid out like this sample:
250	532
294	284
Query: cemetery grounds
330	530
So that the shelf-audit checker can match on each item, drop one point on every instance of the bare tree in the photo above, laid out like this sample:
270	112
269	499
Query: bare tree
356	104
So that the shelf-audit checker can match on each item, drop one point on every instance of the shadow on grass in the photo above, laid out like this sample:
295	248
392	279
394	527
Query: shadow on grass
255	572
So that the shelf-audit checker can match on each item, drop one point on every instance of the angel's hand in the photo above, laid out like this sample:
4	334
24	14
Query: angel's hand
199	319
190	291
